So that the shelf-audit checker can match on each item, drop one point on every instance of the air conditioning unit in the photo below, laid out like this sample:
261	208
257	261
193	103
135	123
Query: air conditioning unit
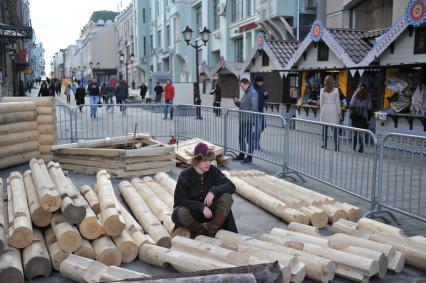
311	4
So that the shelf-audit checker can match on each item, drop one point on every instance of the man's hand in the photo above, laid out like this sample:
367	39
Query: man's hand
209	199
265	93
236	100
207	212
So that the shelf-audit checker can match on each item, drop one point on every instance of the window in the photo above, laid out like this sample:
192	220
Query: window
143	15
322	51
239	50
151	42
167	37
369	15
248	8
144	46
157	8
159	67
159	39
176	33
265	59
237	10
198	20
215	15
420	41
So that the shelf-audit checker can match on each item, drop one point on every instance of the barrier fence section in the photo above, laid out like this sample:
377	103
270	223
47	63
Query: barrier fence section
402	175
340	156
260	135
64	124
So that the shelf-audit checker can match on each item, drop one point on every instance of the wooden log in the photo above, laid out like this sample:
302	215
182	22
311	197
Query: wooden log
19	148
68	237
317	217
317	268
90	227
80	269
3	220
16	117
144	215
133	227
127	246
267	202
47	139
348	227
47	129
418	240
106	251
302	228
374	226
354	213
72	207
18	159
11	266
57	255
166	182
149	165
39	216
111	217
44	149
159	191
46	119
8	139
48	195
91	197
334	212
18	127
352	274
371	254
156	205
35	258
14	107
45	110
86	250
304	238
20	228
39	101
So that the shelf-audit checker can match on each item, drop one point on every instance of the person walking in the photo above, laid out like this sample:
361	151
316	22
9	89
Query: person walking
133	85
217	98
44	91
58	87
94	94
68	93
330	110
158	92
104	94
110	95
52	89
249	102
143	90
80	94
360	106
122	93
260	121
169	95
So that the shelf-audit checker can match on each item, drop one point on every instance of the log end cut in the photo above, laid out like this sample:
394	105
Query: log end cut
51	203
11	274
21	237
74	214
114	226
110	257
37	266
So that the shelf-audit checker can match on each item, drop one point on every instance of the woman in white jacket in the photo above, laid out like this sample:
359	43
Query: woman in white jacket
330	109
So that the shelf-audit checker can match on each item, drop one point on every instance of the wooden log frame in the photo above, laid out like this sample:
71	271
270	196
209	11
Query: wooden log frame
16	107
267	202
3	221
18	159
106	251
79	159
48	195
72	207
19	148
111	216
35	258
20	227
67	235
159	191
39	101
8	139
161	210
86	250
168	183
144	215
16	117
91	197
18	127
90	227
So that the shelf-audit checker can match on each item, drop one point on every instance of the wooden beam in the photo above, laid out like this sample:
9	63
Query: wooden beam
106	251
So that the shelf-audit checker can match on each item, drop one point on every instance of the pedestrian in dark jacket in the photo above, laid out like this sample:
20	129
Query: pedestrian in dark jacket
203	195
94	93
52	89
44	91
80	94
144	89
217	98
158	89
360	106
260	124
121	94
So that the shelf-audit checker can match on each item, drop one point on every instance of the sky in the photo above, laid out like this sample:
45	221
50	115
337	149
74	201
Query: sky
57	23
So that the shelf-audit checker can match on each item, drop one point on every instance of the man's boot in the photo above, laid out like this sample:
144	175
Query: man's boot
216	223
196	229
240	157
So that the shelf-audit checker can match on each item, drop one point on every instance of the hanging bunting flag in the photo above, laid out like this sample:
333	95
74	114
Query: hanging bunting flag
353	72
361	72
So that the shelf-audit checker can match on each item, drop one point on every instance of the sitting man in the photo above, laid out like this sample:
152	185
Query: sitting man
203	195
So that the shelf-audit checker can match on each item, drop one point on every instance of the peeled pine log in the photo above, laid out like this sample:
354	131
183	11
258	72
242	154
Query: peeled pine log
19	148
91	197
111	217
302	228
16	117
353	213
144	215
86	250
370	254
39	101
106	251
334	212
48	195
44	149
72	207
18	159
127	246
267	202
11	266
35	258
18	127
47	139
47	129
159	191
8	139
67	235
418	240
80	269
348	227
133	227
168	183
46	119
45	110
20	228
317	217
90	227
2	220
295	236
57	255
157	206
374	226
181	261
14	107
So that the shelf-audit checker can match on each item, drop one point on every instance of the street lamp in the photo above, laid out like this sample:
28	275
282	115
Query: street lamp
125	61
187	36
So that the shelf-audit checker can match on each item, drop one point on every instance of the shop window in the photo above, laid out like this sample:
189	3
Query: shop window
238	47
323	51
420	41
265	60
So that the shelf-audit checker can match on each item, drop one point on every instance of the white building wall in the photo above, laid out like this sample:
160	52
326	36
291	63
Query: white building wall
312	62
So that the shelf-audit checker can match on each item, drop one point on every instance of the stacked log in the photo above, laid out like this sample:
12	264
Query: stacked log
185	152
296	204
67	235
132	155
57	255
106	251
39	216
166	182
46	121
35	258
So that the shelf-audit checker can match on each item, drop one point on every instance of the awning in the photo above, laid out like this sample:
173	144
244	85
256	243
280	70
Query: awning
13	33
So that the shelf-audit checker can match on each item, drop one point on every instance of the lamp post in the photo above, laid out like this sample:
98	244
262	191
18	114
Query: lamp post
187	35
12	54
126	62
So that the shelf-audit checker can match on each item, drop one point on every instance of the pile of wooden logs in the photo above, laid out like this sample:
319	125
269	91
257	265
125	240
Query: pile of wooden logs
185	152
126	156
27	129
290	202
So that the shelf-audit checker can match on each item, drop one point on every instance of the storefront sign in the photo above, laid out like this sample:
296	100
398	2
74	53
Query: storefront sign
317	31
260	40
247	27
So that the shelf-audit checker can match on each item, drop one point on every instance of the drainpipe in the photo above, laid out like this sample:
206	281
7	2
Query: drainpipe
298	20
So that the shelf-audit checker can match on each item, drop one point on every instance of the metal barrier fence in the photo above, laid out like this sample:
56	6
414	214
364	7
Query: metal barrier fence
64	123
340	156
402	175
